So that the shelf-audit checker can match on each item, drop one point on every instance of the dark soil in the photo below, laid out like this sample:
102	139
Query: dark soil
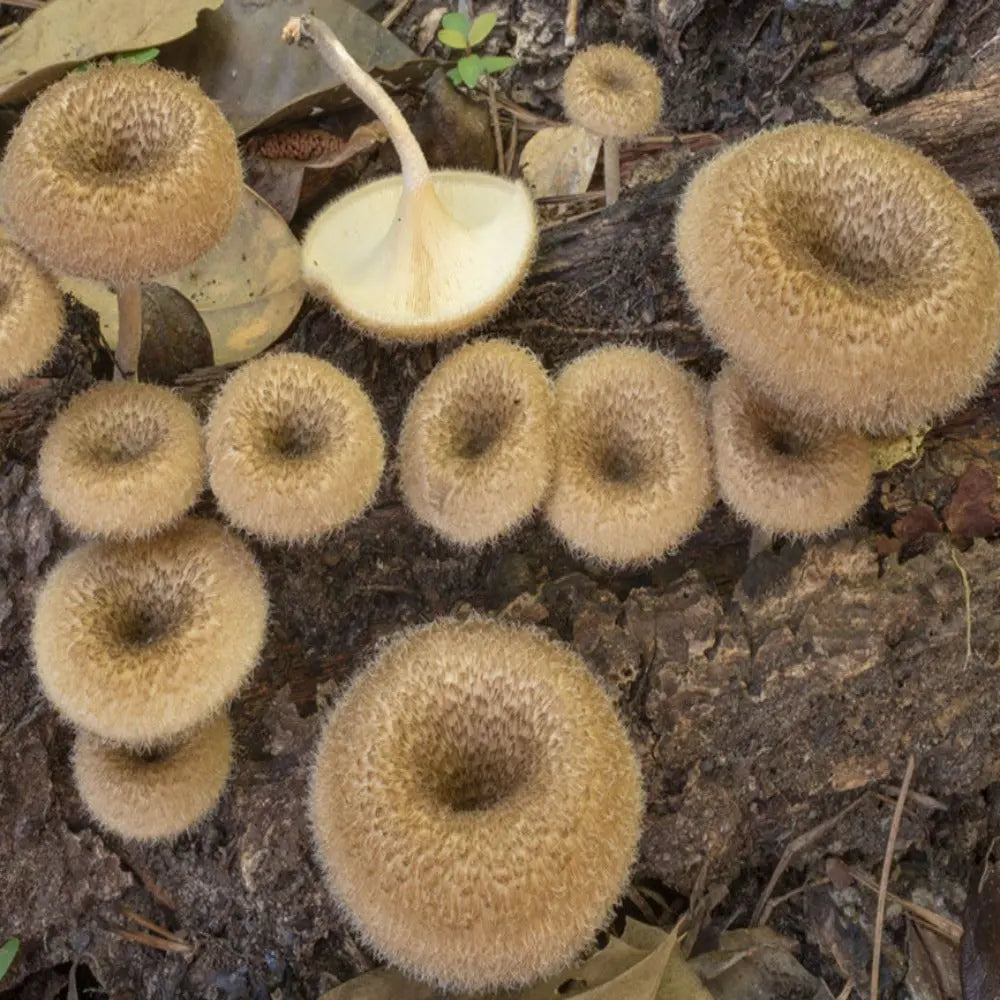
764	694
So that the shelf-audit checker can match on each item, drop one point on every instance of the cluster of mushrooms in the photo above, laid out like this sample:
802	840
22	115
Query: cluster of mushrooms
475	799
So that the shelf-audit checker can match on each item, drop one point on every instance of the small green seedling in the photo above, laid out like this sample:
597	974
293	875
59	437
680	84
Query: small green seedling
139	56
458	33
8	952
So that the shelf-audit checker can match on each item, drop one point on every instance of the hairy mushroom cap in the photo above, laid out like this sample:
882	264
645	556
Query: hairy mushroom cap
295	448
123	460
613	92
848	275
157	796
476	449
777	472
140	642
476	804
31	315
633	464
120	173
420	266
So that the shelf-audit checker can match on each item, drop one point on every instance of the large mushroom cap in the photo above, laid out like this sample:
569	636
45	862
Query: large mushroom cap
139	642
458	251
848	275
633	466
123	460
475	449
476	804
777	472
295	448
31	315
159	796
613	92
120	173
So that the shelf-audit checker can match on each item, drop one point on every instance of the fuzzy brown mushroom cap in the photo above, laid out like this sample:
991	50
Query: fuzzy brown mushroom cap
777	472
123	460
613	92
140	642
120	173
848	275
295	448
31	315
476	804
476	446
633	464
153	797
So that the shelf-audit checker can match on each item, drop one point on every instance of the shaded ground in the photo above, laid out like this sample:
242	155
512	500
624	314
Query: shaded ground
764	695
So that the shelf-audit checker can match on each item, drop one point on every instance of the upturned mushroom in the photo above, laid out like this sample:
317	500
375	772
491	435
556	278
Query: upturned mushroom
419	255
118	174
31	315
613	92
476	446
476	804
777	471
849	277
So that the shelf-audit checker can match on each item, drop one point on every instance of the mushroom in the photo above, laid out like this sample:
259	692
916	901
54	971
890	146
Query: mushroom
848	276
612	91
476	804
123	460
633	469
475	449
140	642
158	795
776	471
295	448
31	315
419	255
118	174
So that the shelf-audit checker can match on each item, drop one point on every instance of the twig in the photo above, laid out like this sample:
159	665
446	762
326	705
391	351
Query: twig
572	22
140	937
773	904
511	149
883	888
495	121
794	64
941	926
798	844
968	608
396	13
150	925
847	990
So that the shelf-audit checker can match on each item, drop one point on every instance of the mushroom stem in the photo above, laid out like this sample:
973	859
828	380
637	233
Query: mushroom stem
760	540
612	171
129	331
304	30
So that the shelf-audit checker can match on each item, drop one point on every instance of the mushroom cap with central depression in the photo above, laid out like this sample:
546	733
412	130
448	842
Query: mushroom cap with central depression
435	262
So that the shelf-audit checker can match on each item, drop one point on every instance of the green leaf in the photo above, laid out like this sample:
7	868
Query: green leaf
497	64
139	56
481	27
8	952
454	76
470	69
456	21
451	38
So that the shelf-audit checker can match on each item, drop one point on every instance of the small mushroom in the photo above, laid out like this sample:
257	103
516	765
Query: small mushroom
612	91
295	448
849	277
31	315
779	473
140	642
475	449
156	795
420	255
122	461
633	465
476	804
118	174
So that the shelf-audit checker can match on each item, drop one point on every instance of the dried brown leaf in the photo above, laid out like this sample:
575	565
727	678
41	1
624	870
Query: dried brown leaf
980	952
64	33
559	160
973	511
175	339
